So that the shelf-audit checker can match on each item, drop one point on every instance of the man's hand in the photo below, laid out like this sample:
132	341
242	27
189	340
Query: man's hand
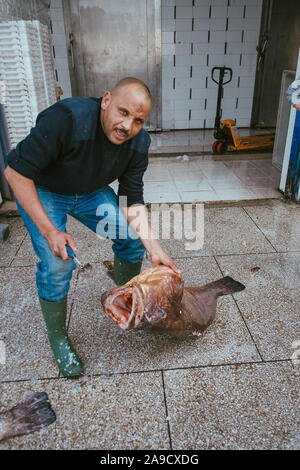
161	257
58	240
137	217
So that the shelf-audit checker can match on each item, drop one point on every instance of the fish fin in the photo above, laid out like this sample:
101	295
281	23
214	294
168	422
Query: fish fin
226	285
31	414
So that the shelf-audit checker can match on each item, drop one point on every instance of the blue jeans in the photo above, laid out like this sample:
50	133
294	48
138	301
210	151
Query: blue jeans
100	212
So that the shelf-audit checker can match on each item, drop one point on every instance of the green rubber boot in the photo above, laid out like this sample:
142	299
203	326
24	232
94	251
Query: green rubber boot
55	314
124	271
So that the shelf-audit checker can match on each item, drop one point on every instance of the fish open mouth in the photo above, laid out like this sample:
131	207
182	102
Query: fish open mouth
124	307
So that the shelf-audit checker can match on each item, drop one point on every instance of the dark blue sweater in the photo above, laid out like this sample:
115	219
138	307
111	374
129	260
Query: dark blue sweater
67	152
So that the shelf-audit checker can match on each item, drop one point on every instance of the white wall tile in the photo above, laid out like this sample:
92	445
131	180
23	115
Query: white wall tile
59	40
167	12
249	47
219	2
245	103
167	81
184	12
168	24
181	114
202	2
198	60
168	49
198	81
219	12
253	12
184	3
183	25
181	124
182	71
244	92
198	124
197	104
201	24
182	49
168	71
251	36
215	48
217	36
198	114
182	60
58	27
201	49
167	61
249	60
183	37
199	36
184	105
245	113
234	47
216	24
250	24
201	12
234	36
235	11
167	3
61	53
192	73
182	83
167	37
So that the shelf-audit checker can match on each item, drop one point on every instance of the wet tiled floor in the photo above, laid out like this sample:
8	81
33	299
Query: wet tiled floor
236	387
191	179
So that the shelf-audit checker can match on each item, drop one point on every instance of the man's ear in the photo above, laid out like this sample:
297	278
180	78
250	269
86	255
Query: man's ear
106	99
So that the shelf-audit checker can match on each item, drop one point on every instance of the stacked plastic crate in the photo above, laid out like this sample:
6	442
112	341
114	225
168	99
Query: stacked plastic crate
26	75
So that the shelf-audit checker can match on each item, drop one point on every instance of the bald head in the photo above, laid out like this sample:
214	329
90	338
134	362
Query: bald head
139	86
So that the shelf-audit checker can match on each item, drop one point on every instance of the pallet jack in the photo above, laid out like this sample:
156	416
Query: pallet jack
225	131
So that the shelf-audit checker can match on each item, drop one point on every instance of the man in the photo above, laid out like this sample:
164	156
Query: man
64	166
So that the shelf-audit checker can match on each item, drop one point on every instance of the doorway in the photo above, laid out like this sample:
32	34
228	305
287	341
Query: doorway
108	41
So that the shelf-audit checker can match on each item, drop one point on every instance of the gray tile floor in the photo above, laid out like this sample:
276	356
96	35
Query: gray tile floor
236	387
190	179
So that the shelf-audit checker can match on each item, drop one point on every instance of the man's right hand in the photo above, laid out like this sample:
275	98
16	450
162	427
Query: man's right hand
25	191
58	240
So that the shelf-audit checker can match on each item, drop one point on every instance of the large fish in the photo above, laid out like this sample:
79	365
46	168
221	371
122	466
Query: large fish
157	299
31	414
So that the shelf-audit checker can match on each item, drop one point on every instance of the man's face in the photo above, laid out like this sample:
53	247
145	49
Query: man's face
123	113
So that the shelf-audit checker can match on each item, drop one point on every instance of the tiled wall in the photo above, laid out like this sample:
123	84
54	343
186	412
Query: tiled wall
198	35
59	48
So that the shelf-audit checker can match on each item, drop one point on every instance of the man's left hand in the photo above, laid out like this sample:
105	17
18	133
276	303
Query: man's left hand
161	257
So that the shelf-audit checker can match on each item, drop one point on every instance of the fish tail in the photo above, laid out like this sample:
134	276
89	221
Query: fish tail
226	285
31	414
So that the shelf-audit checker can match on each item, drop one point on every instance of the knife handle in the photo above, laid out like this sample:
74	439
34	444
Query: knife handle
70	251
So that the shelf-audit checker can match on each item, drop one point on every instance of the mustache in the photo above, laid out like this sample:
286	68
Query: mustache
122	131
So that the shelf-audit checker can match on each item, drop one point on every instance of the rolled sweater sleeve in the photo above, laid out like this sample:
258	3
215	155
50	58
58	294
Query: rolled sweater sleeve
44	143
131	182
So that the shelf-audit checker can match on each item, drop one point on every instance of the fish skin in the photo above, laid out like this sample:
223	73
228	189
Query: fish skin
31	414
156	299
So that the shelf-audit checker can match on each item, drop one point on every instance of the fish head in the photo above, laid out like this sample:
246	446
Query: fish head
152	298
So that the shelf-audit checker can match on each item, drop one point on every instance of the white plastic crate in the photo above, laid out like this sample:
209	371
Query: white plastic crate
26	74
